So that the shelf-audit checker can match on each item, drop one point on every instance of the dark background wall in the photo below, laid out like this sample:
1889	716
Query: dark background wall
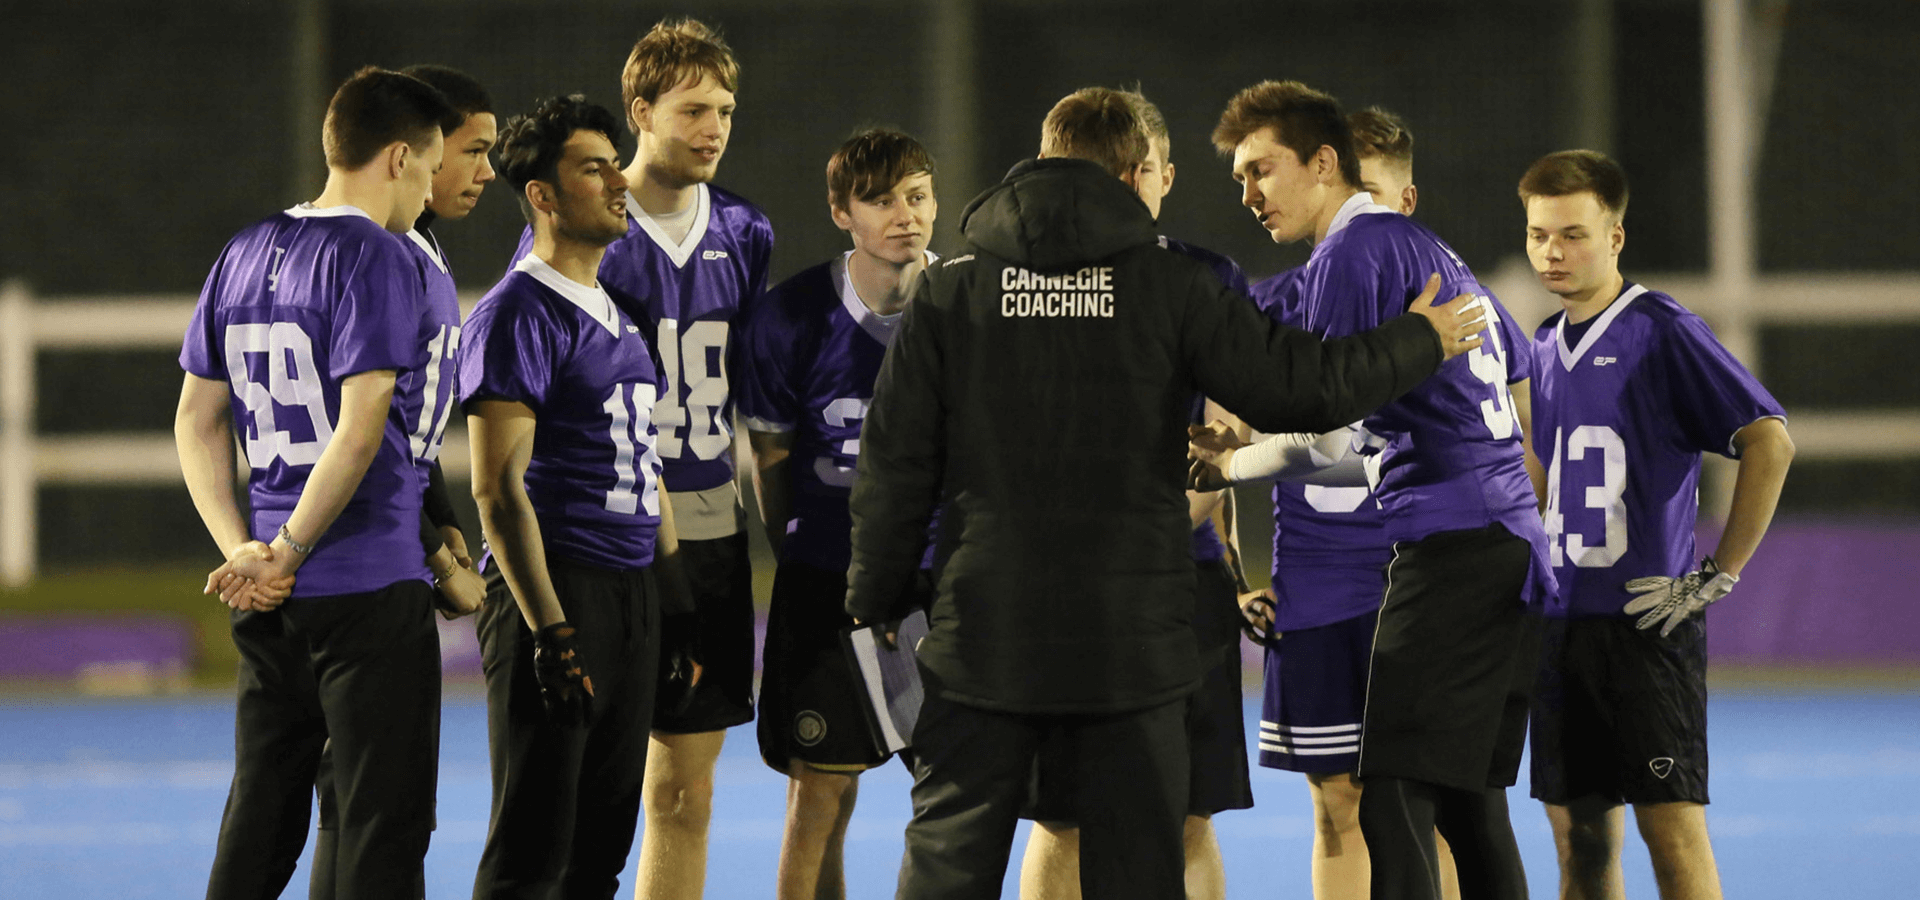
142	135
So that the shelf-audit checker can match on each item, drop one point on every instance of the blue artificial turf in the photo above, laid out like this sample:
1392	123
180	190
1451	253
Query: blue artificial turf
1816	795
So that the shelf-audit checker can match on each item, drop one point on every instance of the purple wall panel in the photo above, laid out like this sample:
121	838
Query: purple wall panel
1827	592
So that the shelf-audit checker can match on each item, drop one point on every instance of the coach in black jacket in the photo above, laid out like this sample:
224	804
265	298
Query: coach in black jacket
1040	385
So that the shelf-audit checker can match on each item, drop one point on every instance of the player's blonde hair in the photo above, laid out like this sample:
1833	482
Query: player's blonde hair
1098	125
1377	132
670	53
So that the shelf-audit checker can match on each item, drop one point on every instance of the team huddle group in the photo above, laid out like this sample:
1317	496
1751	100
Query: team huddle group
1043	478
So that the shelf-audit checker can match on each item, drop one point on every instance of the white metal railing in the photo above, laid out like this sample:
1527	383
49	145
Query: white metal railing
28	460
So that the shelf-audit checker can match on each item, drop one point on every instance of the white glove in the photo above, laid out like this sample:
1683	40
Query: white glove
1677	599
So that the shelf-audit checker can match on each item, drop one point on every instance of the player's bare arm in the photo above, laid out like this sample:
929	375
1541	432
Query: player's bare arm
1766	451
771	487
500	433
203	437
365	398
1522	392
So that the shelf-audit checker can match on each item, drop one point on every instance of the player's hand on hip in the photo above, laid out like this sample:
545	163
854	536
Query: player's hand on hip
565	688
1675	600
1256	617
1458	321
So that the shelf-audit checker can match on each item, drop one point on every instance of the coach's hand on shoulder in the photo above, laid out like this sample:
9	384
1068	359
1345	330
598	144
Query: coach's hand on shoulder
565	687
1674	600
1459	321
1256	617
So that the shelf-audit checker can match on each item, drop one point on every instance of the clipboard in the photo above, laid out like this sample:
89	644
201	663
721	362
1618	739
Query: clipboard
889	677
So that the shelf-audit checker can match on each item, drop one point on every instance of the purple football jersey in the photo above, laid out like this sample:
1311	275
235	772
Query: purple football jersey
1330	545
1206	539
431	406
1620	421
1449	452
295	305
691	297
812	352
571	354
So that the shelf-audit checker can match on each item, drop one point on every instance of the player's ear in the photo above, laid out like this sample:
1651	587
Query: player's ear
841	217
1409	198
396	157
639	116
1617	236
1166	179
540	196
1326	165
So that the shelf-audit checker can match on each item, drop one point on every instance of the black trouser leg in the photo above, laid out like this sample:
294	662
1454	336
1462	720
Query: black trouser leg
1397	817
278	732
376	659
613	761
1131	781
566	799
1478	828
971	773
326	834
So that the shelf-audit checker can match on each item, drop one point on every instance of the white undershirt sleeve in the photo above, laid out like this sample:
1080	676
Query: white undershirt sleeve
1324	459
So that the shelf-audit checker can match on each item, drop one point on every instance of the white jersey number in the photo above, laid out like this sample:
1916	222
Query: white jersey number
1489	364
634	459
292	380
841	413
1608	496
1336	499
698	359
431	430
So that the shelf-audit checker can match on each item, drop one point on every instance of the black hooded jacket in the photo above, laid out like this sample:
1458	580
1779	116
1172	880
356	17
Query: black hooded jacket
1040	385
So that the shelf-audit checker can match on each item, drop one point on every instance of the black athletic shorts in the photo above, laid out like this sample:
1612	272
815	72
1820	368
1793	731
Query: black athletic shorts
1447	684
722	583
1621	713
811	700
1218	778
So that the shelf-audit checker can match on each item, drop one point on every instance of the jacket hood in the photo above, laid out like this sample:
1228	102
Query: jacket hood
1051	215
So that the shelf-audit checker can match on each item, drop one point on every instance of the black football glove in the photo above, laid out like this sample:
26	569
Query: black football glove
565	687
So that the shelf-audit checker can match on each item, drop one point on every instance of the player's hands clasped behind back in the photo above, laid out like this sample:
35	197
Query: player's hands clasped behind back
1674	600
252	579
1459	321
458	589
565	687
1211	447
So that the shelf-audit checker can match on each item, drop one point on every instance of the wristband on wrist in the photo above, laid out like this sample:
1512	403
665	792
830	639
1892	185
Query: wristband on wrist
302	549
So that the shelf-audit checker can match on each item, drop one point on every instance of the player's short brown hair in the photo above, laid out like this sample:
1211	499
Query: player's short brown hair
1377	132
871	162
376	108
1151	120
671	52
1303	120
1576	171
1098	125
